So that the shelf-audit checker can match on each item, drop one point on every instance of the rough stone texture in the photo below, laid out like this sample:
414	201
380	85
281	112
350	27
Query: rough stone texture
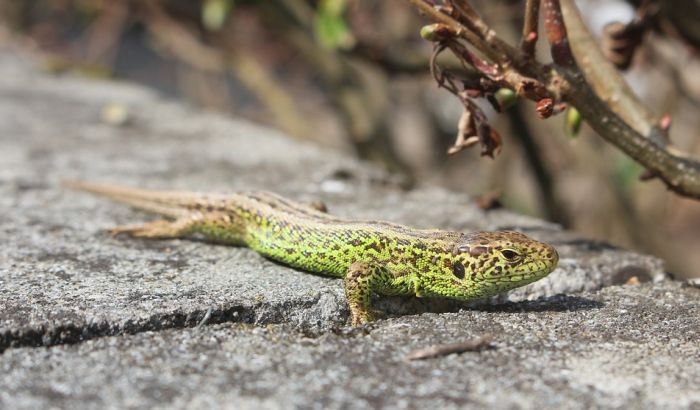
64	281
623	347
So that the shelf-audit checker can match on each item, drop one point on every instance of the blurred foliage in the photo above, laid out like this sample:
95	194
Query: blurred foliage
331	29
215	13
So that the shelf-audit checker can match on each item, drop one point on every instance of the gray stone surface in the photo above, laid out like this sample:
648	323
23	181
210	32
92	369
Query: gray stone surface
64	281
624	347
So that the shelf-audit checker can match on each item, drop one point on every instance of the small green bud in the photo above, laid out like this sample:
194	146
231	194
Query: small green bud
505	98
572	122
215	13
430	32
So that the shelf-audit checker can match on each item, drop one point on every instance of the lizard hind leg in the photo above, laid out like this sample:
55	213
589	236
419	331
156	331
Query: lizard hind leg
161	229
217	227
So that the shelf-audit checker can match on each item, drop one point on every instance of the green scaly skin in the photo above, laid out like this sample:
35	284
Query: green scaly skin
371	256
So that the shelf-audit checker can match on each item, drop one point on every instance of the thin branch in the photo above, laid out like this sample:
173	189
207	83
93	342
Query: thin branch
553	208
473	20
459	29
557	35
680	174
606	103
530	27
605	78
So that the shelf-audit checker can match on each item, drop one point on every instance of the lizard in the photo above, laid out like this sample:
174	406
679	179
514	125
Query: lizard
372	257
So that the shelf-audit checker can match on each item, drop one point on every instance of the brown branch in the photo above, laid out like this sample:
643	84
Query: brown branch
473	20
530	27
604	77
553	207
680	174
557	35
459	29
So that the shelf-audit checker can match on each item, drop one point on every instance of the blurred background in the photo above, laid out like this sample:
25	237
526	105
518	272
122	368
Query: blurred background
354	75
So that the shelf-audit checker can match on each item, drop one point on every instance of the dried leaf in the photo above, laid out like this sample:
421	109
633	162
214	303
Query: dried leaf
490	140
466	136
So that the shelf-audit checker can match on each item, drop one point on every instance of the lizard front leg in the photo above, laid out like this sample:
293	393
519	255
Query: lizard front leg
361	281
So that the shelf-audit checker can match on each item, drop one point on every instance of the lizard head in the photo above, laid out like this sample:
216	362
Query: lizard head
487	263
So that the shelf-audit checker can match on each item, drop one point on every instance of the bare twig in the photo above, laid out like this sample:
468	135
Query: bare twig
603	76
481	343
530	26
553	208
459	29
680	174
620	41
473	20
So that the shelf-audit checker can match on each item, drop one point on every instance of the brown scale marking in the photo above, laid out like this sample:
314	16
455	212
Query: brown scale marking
447	263
299	208
374	246
436	250
355	242
420	246
478	250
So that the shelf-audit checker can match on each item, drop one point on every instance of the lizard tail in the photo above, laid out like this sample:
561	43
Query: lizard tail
171	204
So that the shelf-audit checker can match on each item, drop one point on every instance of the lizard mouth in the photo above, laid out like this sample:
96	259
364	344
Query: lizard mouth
528	272
533	270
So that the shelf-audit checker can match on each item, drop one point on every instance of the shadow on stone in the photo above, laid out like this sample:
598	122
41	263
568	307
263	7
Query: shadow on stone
556	303
589	245
400	306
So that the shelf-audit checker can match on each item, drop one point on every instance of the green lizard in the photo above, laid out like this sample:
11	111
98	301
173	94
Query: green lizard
371	256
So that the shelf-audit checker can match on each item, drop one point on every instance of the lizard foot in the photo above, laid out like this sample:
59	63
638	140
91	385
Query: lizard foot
360	317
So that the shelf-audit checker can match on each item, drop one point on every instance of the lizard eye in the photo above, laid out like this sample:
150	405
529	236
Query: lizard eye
510	254
458	270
